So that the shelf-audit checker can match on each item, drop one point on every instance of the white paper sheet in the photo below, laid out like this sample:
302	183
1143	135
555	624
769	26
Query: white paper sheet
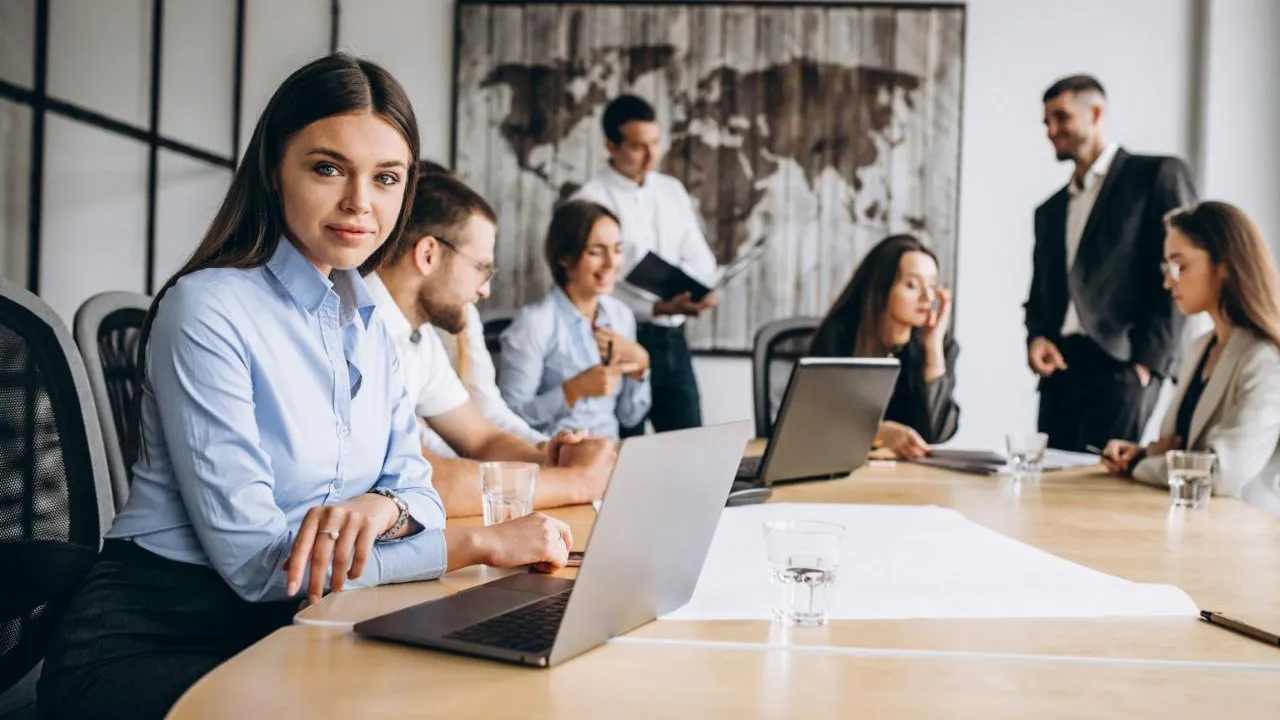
901	562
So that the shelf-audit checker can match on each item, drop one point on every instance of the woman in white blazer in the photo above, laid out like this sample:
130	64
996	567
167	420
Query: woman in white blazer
1228	397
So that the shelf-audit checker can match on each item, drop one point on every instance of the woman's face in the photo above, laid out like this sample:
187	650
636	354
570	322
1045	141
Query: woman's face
596	272
912	296
1190	275
342	183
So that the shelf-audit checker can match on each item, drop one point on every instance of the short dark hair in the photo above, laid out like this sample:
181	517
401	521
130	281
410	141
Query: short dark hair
625	109
567	236
1074	84
442	205
431	167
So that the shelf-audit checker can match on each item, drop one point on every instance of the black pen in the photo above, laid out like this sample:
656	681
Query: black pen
608	353
1215	618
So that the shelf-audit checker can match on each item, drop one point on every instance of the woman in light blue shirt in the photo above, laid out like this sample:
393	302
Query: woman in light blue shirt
571	360
279	451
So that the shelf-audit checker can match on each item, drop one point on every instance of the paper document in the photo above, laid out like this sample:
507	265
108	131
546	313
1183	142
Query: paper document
991	462
901	562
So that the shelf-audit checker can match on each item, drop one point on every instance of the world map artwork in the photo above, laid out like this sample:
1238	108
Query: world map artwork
804	135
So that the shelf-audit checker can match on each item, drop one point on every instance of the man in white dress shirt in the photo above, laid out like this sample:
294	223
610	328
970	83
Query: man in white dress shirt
657	216
442	265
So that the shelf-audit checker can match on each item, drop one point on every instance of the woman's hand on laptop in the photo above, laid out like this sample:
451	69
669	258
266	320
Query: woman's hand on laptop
538	540
904	441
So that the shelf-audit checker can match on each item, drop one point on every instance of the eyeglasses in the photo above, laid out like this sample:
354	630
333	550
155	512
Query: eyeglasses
486	269
1172	270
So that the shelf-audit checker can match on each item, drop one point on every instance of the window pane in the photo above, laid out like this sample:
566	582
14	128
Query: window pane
189	192
100	56
94	220
279	37
15	164
18	41
197	88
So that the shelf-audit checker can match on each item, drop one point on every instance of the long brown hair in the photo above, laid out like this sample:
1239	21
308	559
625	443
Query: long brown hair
1251	289
247	228
855	317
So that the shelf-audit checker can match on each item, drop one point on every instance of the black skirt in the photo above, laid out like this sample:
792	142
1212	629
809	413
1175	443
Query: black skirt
141	631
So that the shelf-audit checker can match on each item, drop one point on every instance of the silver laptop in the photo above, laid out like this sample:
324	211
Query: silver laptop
647	547
827	422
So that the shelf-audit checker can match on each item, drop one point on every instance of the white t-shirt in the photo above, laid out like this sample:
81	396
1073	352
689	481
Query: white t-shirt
433	386
482	383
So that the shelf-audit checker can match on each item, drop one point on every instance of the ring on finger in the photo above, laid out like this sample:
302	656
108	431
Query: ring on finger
332	533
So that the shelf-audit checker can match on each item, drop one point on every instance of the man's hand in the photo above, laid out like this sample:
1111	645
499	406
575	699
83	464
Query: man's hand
1144	375
555	446
1044	357
681	304
591	462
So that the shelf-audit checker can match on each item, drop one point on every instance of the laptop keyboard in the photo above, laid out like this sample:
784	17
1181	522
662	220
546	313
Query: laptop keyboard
530	629
749	467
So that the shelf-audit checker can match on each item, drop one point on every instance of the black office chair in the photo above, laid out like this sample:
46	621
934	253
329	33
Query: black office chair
107	329
55	493
778	345
494	324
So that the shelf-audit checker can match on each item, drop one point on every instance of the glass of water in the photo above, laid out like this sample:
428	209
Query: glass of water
507	490
1026	452
1190	477
803	557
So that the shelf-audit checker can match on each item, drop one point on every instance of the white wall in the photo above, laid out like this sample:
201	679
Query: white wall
1140	49
1241	145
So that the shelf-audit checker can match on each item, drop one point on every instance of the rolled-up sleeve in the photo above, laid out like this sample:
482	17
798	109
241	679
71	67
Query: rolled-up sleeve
422	555
636	396
524	347
198	371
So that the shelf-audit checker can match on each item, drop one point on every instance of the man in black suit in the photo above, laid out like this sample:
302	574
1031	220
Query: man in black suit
1101	330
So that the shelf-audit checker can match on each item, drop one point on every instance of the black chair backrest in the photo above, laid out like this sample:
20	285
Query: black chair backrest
494	324
55	495
778	345
107	329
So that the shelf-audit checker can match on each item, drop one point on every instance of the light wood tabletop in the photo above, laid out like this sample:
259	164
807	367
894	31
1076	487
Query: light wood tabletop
1227	558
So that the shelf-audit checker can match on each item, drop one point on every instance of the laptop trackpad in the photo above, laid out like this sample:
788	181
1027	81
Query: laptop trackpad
469	607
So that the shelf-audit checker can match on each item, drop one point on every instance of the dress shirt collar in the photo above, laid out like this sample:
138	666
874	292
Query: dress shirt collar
1097	171
308	287
622	182
567	307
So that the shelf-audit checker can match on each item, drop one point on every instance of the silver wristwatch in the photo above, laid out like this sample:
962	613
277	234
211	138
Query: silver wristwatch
401	505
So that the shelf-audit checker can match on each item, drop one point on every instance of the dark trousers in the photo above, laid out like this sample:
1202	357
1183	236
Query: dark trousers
1095	399
676	403
141	631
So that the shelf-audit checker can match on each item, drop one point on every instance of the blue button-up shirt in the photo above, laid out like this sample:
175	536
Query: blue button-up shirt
550	342
269	391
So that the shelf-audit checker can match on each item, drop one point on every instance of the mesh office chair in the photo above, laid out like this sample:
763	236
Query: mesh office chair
107	329
778	345
55	496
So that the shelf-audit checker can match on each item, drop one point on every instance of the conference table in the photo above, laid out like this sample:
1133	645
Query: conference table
1226	557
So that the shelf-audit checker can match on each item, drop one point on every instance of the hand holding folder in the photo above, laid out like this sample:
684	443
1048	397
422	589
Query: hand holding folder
655	275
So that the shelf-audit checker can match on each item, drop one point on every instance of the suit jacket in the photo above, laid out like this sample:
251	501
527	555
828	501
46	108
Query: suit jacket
1237	418
928	408
1115	282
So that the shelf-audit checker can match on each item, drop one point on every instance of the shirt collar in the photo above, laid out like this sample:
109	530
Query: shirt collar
622	182
1098	170
397	324
567	307
308	287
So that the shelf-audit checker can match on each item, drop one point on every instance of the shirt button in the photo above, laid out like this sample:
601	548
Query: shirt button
343	430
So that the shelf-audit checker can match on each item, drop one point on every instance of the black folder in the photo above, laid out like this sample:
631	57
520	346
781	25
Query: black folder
655	275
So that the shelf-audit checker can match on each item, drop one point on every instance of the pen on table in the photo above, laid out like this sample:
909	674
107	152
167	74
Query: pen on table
1216	618
1093	449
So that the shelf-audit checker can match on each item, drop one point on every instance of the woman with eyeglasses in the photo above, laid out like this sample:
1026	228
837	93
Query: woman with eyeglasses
894	307
1228	398
571	360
